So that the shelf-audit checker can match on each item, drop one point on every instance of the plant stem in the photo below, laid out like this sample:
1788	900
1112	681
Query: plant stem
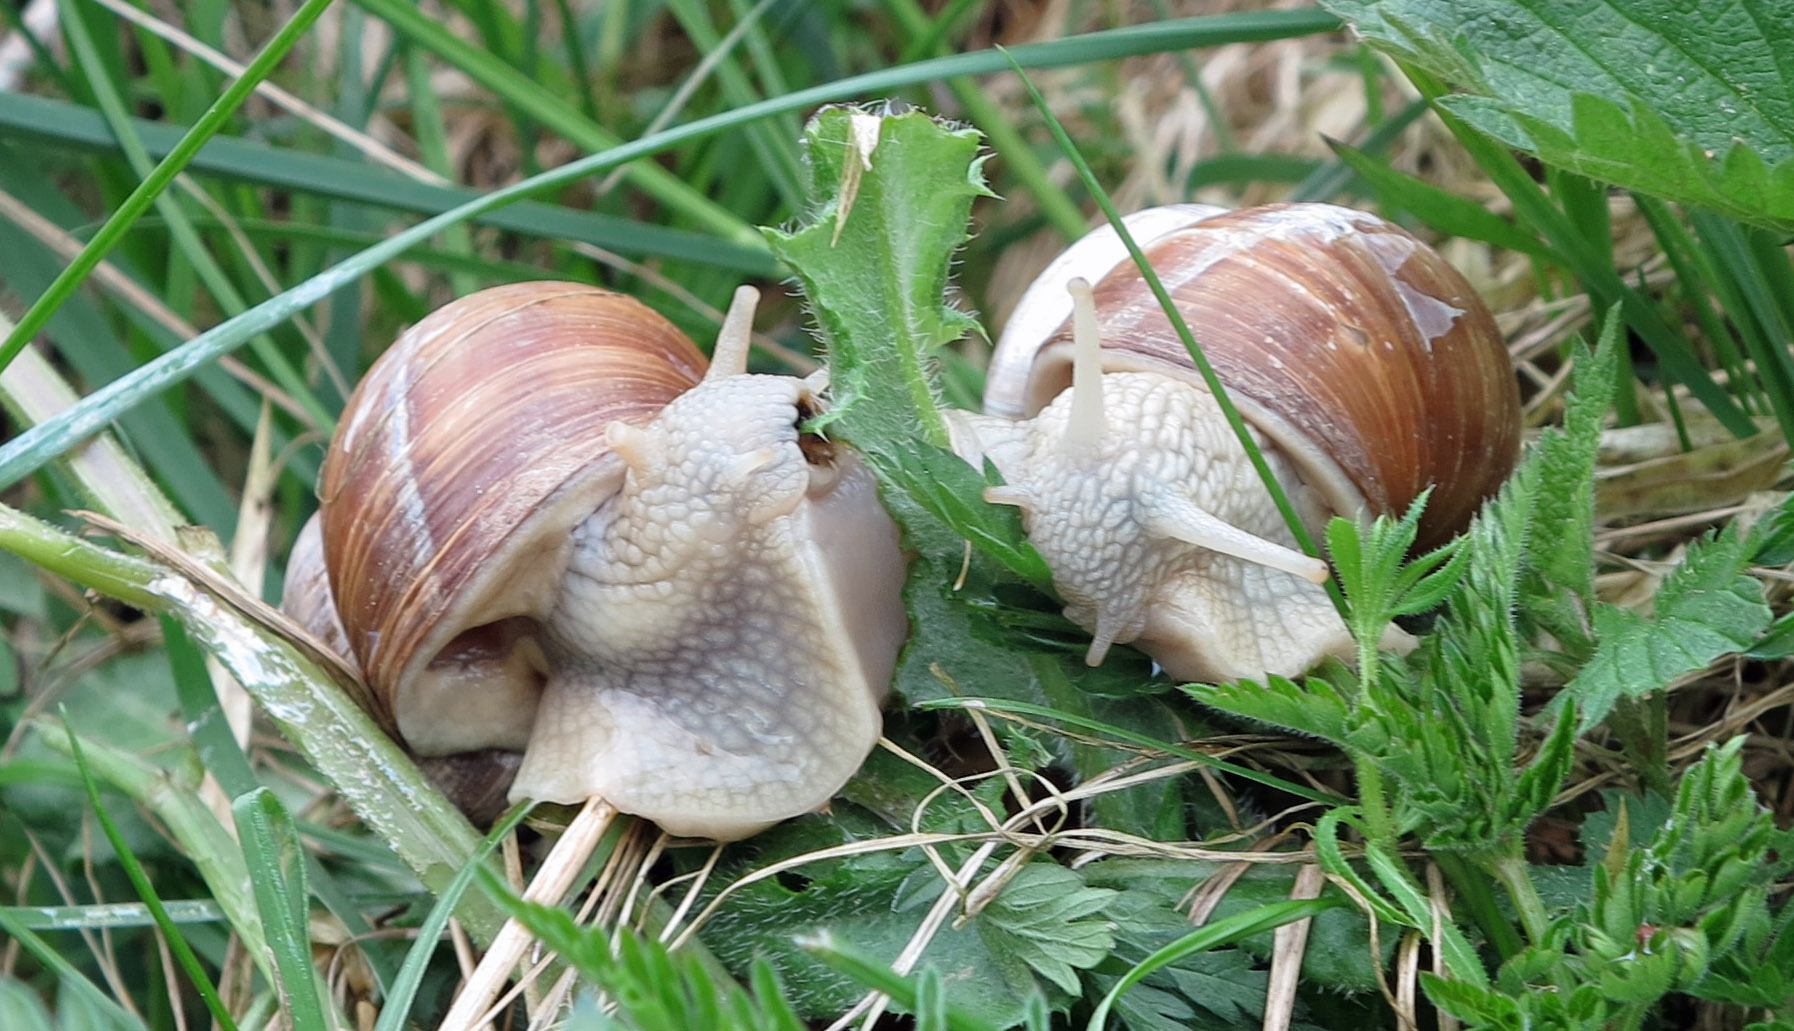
110	573
1511	871
1373	800
1473	888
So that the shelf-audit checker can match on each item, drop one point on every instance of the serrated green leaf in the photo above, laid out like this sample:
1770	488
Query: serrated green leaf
891	195
1685	101
1636	149
1224	982
853	902
873	256
953	492
1560	551
1707	608
1220	932
1476	1006
1315	708
1777	642
1041	919
1540	781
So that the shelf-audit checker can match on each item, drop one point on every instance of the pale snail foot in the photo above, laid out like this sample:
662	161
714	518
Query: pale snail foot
1199	630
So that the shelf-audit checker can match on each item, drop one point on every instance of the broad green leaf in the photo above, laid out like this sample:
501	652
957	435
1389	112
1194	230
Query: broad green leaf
1684	101
1708	607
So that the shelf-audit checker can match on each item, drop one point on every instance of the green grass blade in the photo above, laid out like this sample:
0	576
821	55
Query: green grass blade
371	772
59	123
186	239
1751	301
411	975
276	863
66	973
127	859
774	142
1000	130
538	103
1697	278
111	914
1584	258
153	431
140	199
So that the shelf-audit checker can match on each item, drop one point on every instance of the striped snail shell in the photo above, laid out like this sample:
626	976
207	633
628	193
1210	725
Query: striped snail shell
546	528
1364	364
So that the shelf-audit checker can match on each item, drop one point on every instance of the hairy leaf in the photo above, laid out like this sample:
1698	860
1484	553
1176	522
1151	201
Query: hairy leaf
891	196
1314	707
1559	581
1708	607
1685	101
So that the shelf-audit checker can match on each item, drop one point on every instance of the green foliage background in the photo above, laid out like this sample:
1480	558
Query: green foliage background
1040	838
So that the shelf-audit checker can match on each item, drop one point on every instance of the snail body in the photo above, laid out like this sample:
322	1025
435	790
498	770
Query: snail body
1364	365
547	529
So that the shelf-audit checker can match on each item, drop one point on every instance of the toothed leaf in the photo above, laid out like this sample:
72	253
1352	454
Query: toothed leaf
1685	101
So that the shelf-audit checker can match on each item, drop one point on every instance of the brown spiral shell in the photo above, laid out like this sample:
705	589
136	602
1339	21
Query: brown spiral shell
462	461
1333	330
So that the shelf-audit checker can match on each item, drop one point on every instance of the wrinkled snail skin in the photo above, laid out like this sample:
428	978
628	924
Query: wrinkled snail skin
550	531
1367	371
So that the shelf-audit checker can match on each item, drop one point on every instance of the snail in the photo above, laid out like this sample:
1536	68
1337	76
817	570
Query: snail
550	538
1364	365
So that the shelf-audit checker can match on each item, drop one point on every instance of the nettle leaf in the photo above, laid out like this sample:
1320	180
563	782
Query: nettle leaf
890	199
1685	101
1708	607
1047	919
